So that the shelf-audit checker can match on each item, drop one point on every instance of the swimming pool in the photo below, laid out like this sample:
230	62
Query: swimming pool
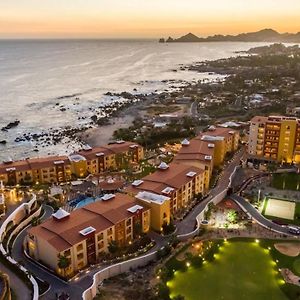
86	201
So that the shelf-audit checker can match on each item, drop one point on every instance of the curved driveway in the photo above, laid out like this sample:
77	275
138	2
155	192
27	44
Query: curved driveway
257	216
187	225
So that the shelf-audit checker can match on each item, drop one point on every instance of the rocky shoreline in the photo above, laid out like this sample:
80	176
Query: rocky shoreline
96	124
96	128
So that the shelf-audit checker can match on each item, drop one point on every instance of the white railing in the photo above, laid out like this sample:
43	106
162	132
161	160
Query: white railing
14	217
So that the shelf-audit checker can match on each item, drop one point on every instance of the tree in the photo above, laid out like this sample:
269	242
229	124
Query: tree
168	228
113	247
35	221
137	229
272	167
63	263
231	216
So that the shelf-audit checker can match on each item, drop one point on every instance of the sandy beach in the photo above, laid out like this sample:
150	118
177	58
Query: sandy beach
104	134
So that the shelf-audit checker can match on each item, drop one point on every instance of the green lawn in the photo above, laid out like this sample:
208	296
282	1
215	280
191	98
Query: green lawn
286	181
241	270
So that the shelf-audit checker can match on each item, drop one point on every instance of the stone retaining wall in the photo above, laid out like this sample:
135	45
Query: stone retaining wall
115	270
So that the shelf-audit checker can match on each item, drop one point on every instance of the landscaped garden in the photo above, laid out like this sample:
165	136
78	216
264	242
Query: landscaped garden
236	269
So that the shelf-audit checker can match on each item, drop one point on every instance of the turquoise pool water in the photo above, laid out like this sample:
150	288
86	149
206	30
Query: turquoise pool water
85	202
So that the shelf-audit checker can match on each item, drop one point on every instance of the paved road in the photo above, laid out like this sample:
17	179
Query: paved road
188	224
19	288
256	215
194	109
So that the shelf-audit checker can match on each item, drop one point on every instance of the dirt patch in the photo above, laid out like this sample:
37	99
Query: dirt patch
289	249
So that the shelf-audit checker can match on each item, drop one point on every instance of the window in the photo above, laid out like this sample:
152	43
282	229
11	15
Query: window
128	222
100	245
79	248
110	231
80	256
100	237
67	253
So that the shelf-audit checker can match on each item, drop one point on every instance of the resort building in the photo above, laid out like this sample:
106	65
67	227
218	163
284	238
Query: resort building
56	169
208	150
84	235
111	157
37	170
275	138
159	206
179	182
197	153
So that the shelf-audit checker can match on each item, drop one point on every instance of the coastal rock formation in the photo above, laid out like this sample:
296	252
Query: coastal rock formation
265	35
10	125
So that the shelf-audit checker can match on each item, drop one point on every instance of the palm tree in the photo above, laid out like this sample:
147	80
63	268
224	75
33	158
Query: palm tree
63	263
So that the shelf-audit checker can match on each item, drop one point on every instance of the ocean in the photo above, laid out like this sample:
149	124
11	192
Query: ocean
39	77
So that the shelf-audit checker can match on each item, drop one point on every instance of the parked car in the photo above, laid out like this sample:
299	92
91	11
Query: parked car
294	230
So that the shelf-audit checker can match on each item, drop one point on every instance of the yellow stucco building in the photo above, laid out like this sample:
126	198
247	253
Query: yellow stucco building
275	138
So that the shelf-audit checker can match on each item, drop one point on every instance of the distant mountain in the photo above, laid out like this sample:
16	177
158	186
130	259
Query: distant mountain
265	35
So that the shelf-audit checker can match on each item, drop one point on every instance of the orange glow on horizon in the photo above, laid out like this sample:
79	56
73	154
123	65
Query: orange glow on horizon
143	18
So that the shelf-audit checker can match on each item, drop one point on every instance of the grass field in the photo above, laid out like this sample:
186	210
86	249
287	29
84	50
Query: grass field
241	270
286	181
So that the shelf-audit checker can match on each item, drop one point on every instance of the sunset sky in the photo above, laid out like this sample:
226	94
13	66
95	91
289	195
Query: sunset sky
143	18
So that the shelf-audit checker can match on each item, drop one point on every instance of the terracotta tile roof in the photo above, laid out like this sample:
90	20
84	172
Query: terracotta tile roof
196	146
196	150
111	186
191	156
175	176
92	154
62	234
47	162
18	166
33	163
110	149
